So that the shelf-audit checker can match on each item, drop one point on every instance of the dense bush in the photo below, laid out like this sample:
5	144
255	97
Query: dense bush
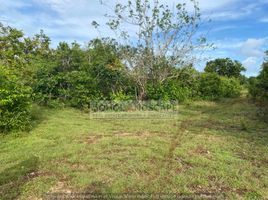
230	87
176	91
156	92
258	87
189	77
71	75
184	86
209	86
74	88
74	76
171	90
14	102
213	86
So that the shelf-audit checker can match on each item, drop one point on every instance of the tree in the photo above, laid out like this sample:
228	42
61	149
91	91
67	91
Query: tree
163	39
14	93
212	86
259	86
258	89
109	72
14	102
23	55
11	47
225	67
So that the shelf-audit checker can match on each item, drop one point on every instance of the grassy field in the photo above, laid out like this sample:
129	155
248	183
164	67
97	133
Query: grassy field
211	147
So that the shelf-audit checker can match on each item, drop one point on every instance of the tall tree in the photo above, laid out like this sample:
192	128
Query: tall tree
163	38
225	67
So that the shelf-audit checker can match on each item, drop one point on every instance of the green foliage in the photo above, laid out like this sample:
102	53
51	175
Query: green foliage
189	77
171	90
14	102
120	96
107	69
210	86
258	87
82	89
230	87
181	88
252	86
178	93
75	88
213	86
12	47
156	92
63	79
163	33
225	67
263	81
75	76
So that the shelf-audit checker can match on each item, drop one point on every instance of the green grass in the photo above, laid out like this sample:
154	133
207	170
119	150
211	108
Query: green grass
211	147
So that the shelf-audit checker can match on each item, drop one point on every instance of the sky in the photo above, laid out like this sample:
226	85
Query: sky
237	28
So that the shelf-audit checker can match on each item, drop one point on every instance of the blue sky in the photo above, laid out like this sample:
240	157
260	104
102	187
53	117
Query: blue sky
239	28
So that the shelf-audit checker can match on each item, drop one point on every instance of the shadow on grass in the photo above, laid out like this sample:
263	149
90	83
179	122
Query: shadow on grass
12	179
38	115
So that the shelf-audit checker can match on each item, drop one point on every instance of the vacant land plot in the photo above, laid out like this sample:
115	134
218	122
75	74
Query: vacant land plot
217	148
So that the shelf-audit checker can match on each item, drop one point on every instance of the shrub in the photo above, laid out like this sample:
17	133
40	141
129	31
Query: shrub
14	103
81	89
252	87
45	86
55	89
213	86
177	92
157	92
230	87
189	78
171	90
210	86
120	96
258	87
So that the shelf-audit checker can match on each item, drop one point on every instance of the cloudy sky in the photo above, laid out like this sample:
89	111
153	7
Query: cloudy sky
239	28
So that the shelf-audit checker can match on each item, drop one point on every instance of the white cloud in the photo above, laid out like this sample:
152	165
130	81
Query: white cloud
74	17
58	5
254	52
250	62
235	9
249	52
252	47
206	5
252	65
70	20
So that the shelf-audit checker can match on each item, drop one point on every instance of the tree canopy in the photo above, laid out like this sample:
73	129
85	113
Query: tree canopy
163	38
225	67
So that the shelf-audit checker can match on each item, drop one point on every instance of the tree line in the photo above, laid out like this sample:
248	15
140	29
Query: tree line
158	66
